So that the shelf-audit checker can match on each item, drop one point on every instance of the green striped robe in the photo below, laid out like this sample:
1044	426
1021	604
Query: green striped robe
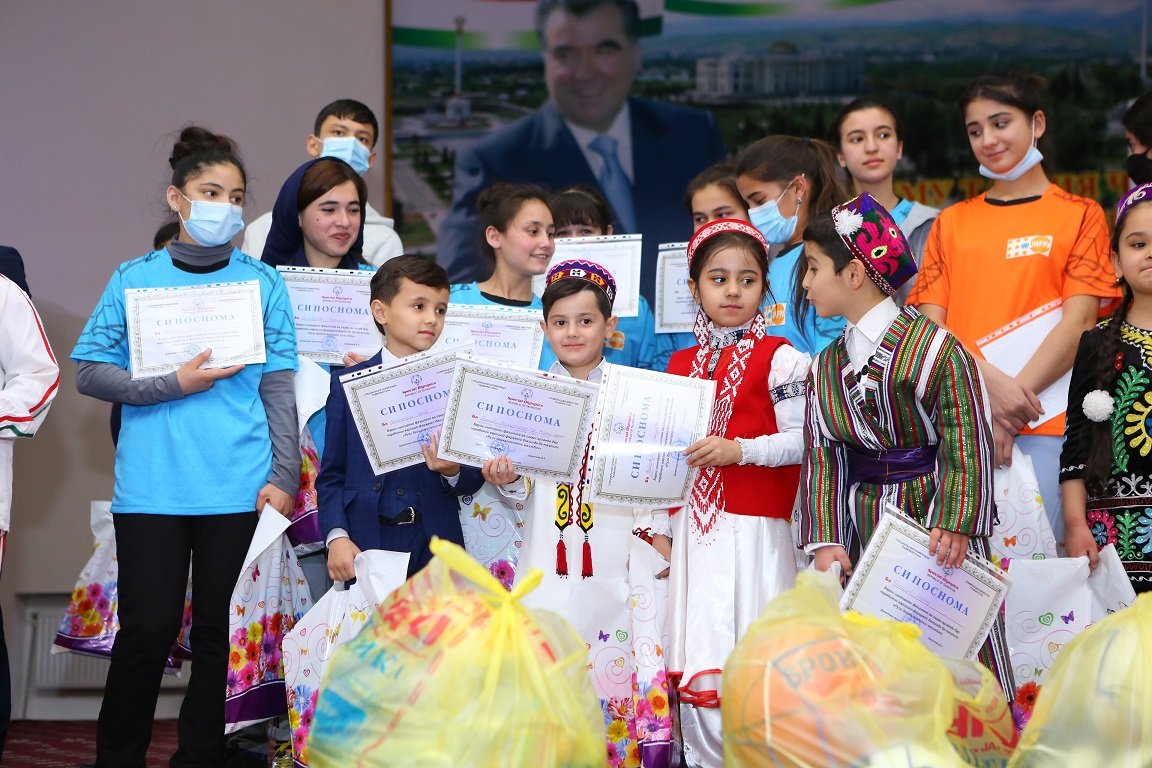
920	388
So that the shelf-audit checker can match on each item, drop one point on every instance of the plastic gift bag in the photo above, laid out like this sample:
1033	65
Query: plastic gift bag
1021	529
453	671
1050	602
493	531
809	687
336	618
90	622
983	731
1095	708
270	597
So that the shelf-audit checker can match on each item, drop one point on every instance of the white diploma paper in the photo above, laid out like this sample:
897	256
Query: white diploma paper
646	421
167	327
897	579
1012	346
500	334
540	421
675	308
619	254
396	407
332	314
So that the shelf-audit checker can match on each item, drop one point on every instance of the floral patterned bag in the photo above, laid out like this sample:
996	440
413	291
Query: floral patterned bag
270	597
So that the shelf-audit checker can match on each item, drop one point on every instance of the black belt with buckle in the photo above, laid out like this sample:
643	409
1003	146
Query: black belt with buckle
407	516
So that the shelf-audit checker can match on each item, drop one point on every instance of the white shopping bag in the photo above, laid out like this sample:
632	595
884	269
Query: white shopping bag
1021	530
336	618
1109	585
1048	604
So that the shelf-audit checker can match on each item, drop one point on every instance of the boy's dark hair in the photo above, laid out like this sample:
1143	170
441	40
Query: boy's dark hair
580	205
419	269
562	289
628	9
730	239
348	109
197	149
1138	119
820	231
164	234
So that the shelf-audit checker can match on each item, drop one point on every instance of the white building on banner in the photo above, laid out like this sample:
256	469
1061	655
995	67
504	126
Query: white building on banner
781	72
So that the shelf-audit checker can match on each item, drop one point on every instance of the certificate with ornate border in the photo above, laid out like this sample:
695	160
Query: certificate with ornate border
396	406
330	308
646	419
675	309
538	420
500	334
619	254
167	327
898	579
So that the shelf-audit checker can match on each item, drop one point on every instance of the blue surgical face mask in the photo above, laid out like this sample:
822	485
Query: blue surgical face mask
348	149
1030	160
767	218
212	224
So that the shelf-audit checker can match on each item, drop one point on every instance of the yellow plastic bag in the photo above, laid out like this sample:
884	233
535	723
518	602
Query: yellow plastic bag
810	687
453	671
983	731
1096	705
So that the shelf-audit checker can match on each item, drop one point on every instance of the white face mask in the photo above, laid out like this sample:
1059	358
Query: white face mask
211	223
1030	160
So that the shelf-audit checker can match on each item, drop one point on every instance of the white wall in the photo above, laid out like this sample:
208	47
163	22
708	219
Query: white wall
90	95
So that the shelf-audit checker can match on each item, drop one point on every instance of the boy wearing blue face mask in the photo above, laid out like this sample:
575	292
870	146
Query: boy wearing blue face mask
346	129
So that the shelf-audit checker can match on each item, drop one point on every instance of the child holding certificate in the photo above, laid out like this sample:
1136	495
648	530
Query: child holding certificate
897	412
400	510
600	561
732	545
201	450
580	211
1105	463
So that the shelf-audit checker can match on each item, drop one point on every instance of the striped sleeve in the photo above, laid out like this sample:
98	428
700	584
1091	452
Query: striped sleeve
823	495
964	493
29	374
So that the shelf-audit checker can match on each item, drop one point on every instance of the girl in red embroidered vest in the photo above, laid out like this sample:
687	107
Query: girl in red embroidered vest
732	547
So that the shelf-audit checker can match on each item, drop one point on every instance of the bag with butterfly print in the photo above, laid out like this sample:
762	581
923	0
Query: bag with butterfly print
1021	528
336	618
270	597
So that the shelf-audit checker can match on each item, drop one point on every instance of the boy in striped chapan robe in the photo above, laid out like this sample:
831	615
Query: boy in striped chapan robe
897	413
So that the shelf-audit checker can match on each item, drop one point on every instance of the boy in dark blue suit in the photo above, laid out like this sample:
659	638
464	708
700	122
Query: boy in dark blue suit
400	510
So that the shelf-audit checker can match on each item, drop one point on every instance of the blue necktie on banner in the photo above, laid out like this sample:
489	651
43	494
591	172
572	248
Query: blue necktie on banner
614	182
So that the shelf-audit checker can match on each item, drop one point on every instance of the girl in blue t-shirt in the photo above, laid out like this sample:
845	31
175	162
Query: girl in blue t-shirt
201	450
517	241
318	222
787	181
581	211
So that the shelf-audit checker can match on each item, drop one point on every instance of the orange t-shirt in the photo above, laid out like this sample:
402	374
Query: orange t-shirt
989	264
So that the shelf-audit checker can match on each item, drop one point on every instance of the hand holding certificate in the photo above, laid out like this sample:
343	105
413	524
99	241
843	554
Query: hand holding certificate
898	579
540	422
646	421
167	327
397	408
331	310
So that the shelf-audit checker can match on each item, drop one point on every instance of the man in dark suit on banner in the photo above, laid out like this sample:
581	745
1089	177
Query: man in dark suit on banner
641	154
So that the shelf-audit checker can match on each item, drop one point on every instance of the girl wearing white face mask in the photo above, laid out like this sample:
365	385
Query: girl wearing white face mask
1025	263
201	450
786	181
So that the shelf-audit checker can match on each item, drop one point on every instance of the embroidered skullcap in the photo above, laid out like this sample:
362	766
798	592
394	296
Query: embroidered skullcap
1130	198
579	269
708	231
874	238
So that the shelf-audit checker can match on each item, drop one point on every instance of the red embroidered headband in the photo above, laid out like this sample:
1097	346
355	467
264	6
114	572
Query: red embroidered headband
708	231
578	269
